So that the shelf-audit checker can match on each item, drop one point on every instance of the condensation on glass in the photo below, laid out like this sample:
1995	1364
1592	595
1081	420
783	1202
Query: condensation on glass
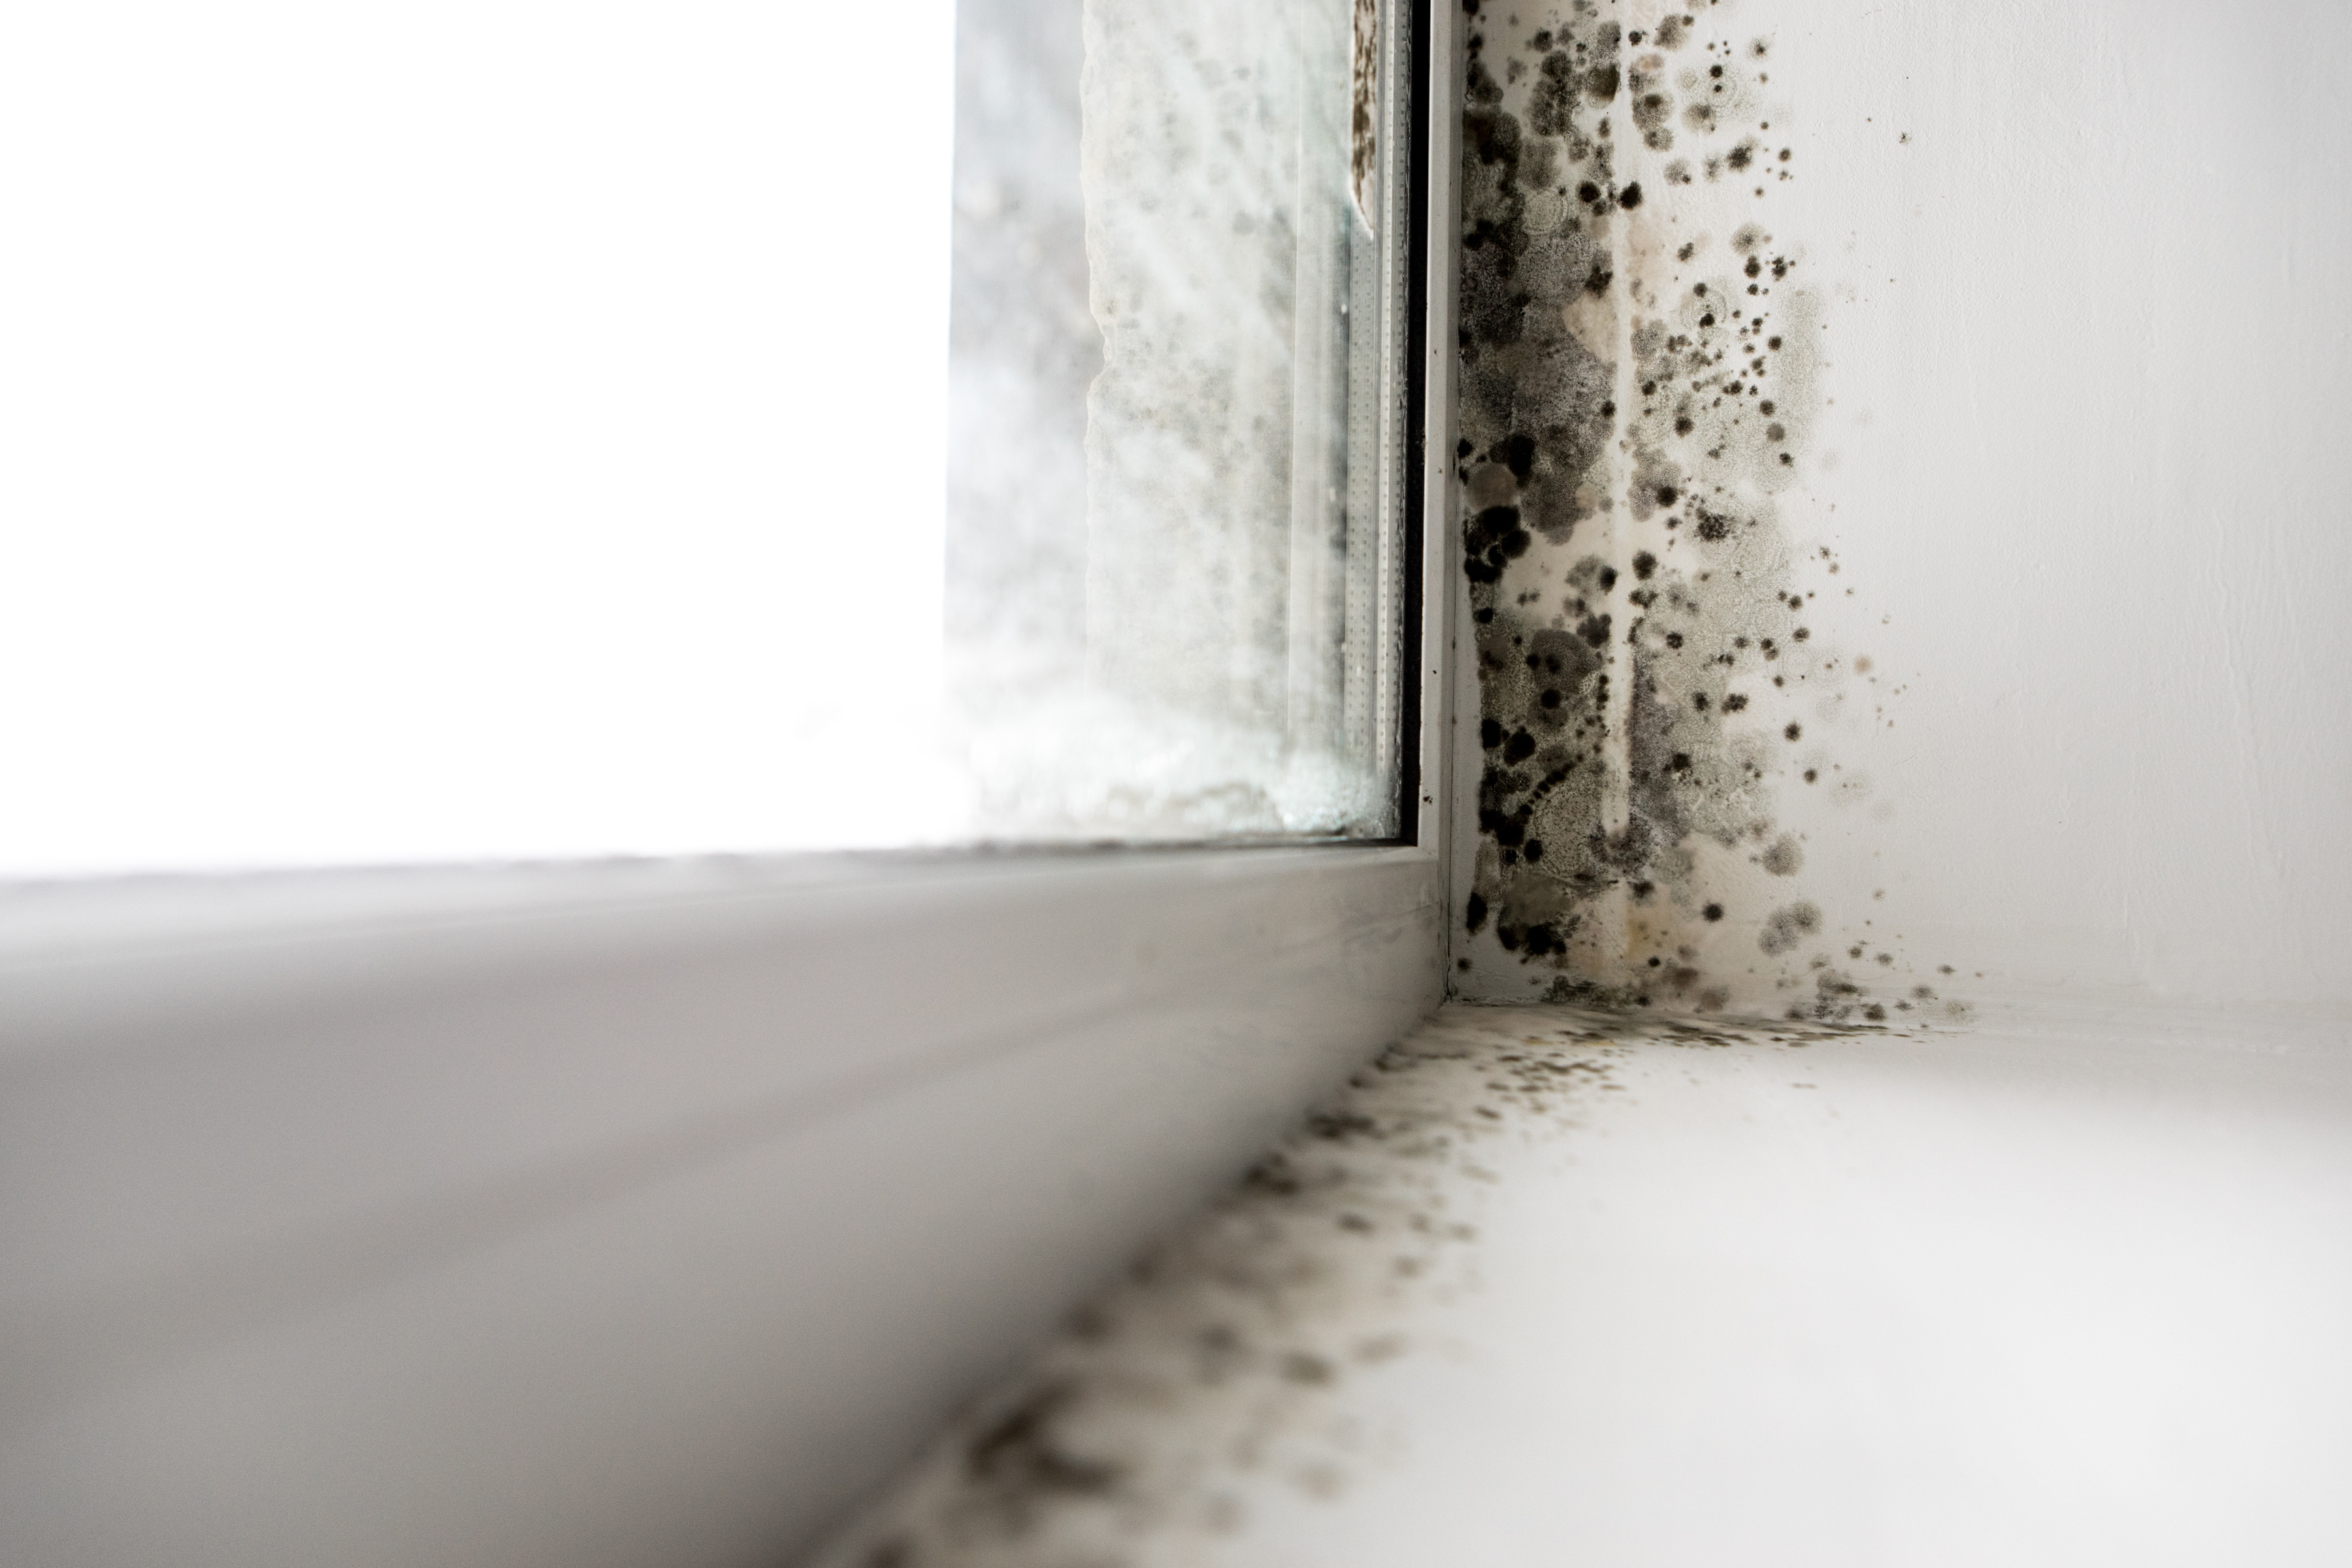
1174	547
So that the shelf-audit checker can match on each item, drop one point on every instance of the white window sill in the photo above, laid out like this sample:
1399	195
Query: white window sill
614	1214
1550	1288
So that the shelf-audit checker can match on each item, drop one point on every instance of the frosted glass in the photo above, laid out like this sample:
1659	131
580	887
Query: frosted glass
1174	525
500	430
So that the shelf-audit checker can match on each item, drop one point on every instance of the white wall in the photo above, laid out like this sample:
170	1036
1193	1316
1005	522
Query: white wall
2083	274
2089	398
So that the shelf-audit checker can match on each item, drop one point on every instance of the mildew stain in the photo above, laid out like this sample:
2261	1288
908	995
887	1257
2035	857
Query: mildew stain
1641	386
1364	87
1235	1374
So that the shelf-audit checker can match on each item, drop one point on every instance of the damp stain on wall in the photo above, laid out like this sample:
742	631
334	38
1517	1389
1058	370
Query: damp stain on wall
1246	1368
1659	645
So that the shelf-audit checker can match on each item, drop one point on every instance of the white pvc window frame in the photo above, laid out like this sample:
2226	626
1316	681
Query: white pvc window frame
642	1211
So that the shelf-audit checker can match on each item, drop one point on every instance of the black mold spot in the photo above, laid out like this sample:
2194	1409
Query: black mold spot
1020	1451
1516	453
1543	325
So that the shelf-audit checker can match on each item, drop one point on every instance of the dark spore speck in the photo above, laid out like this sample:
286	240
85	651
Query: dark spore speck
1516	453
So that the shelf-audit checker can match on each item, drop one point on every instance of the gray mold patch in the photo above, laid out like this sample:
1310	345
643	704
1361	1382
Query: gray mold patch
1657	653
1539	325
1233	1376
1363	108
1537	321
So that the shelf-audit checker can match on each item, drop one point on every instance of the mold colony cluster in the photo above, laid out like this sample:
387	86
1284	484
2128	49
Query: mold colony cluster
1639	384
1248	1371
1537	410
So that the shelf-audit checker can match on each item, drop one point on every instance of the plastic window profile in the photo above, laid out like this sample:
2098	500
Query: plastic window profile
611	1213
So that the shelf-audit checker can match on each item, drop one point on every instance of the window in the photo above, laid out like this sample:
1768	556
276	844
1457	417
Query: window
502	435
606	1211
464	433
1177	539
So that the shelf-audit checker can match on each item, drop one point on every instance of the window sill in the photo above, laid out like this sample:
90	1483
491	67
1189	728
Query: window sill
616	1213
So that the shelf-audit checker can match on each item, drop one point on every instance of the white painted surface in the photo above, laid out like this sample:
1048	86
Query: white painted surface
2064	1295
2083	339
2076	277
618	1215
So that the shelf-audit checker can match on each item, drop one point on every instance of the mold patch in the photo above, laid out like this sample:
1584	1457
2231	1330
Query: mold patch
1235	1375
1658	652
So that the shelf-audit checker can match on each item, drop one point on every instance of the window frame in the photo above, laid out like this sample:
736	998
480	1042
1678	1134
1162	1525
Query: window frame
654	1209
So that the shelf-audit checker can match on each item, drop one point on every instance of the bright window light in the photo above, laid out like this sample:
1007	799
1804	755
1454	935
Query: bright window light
445	432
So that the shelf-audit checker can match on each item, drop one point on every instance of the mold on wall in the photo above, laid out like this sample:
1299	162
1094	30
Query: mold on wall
1661	635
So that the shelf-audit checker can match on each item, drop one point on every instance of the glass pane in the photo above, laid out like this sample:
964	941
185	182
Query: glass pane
508	432
1174	535
464	430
